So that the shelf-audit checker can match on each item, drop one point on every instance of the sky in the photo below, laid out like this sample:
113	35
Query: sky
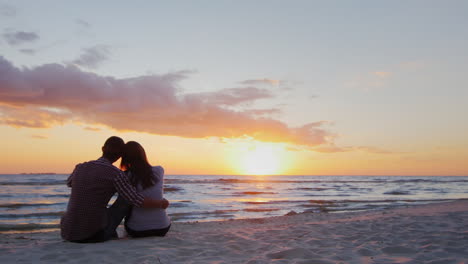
237	87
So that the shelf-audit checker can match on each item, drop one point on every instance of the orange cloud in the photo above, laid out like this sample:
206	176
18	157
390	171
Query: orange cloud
92	128
31	116
38	136
371	80
53	94
262	81
382	74
263	112
331	148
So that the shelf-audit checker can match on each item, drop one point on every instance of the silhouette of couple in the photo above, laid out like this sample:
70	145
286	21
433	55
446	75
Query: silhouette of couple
140	196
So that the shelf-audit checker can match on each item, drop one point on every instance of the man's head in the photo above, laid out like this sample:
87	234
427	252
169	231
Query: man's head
112	149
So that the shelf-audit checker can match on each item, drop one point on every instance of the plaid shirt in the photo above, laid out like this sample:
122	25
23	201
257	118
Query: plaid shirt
92	185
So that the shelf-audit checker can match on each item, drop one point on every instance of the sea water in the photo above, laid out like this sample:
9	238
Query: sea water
35	202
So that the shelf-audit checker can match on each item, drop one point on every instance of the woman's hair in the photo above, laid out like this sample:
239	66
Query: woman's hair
134	160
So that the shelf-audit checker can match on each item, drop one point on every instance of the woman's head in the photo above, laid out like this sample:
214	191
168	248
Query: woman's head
134	160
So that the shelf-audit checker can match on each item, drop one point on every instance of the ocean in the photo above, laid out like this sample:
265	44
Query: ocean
35	202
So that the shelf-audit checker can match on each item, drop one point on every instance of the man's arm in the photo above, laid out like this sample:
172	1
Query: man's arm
70	178
129	192
150	203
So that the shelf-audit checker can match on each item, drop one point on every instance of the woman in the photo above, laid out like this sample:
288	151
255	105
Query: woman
148	180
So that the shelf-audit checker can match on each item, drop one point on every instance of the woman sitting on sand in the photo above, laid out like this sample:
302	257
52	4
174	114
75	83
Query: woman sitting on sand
148	180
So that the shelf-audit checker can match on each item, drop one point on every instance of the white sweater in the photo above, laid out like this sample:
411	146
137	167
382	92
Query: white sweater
150	218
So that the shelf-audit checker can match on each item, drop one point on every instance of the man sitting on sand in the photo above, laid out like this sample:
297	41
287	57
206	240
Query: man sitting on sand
93	183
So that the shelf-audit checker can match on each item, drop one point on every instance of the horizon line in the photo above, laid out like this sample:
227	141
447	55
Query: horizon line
267	175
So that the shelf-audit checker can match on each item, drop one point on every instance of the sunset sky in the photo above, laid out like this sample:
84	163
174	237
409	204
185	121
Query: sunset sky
237	87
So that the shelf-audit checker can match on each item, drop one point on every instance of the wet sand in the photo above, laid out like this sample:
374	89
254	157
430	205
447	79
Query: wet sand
434	233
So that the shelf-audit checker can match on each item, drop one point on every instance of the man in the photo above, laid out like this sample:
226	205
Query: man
93	184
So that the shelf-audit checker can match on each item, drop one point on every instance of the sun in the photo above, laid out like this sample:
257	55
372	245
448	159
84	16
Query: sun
261	160
252	157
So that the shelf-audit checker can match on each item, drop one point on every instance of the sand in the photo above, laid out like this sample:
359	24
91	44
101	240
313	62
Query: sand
435	233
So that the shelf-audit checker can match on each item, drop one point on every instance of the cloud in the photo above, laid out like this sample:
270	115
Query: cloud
20	37
374	150
93	57
261	81
53	94
92	128
31	116
39	136
263	112
83	23
7	10
231	96
28	51
371	80
332	148
382	74
412	65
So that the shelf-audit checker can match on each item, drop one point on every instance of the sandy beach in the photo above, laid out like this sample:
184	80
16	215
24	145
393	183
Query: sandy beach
435	233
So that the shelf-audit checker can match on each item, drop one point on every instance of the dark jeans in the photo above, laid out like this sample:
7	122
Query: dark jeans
146	233
116	213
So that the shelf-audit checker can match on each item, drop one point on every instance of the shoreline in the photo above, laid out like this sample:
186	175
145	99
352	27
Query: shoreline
323	206
430	233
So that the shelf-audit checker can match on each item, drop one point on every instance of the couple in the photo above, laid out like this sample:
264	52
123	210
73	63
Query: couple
140	196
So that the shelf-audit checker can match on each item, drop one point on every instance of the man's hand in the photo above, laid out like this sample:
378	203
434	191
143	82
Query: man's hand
150	203
164	203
